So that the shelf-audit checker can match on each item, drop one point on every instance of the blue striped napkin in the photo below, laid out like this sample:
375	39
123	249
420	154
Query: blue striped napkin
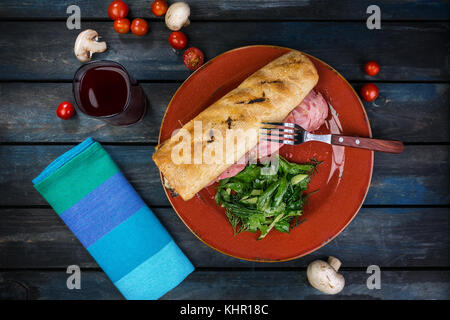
90	194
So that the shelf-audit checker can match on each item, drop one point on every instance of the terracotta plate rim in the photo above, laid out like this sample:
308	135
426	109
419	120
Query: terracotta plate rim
329	239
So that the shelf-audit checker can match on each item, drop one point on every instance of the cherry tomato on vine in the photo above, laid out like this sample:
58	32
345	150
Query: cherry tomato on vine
159	7
139	27
372	68
65	110
193	58
369	92
117	10
122	25
178	40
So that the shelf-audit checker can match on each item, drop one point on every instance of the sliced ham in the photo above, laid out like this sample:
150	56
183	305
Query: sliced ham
310	115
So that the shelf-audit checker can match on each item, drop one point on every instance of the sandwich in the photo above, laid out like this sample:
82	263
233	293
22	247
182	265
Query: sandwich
281	90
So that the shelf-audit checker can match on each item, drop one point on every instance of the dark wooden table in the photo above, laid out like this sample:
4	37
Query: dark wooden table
403	226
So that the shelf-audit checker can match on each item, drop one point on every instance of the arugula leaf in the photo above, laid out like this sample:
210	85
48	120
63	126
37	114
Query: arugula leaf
282	226
236	186
294	168
249	174
282	189
264	199
257	202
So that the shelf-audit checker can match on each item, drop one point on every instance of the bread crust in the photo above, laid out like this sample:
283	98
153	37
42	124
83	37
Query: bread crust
269	94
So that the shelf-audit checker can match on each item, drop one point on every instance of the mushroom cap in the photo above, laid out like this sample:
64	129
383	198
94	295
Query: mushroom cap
177	16
86	44
324	277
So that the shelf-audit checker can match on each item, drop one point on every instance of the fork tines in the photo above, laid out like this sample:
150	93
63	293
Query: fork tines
284	124
286	135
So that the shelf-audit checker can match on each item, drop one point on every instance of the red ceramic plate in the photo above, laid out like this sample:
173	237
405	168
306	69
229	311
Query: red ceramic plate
343	178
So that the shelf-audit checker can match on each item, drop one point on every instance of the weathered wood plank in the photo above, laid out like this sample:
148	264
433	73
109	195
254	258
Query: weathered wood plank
410	112
388	237
403	111
418	176
236	9
44	50
294	285
232	285
27	119
135	161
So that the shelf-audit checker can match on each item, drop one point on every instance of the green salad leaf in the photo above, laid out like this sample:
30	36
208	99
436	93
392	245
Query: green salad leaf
254	201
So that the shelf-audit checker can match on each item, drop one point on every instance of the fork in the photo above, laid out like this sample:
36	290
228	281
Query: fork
293	134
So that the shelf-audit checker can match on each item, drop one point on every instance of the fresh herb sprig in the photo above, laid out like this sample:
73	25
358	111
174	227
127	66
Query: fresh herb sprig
261	202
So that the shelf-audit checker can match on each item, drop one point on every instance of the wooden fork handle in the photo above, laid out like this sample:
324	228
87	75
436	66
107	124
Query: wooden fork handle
389	146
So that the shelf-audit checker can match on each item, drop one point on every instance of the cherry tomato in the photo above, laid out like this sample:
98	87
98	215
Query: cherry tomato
193	58
369	92
178	40
159	7
117	10
372	68
65	110
139	27
122	25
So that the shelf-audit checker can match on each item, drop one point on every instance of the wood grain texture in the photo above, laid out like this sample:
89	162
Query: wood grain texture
418	176
408	112
388	237
37	49
236	9
232	285
389	146
42	125
345	46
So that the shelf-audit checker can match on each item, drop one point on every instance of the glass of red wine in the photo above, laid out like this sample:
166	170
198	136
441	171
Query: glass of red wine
104	90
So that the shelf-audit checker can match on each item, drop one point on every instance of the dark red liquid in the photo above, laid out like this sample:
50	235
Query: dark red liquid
104	91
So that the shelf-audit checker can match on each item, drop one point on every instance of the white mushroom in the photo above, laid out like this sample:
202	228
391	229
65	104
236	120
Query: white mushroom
86	44
177	16
324	276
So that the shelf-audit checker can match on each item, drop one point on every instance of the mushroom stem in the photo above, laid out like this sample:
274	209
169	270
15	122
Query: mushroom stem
335	263
95	46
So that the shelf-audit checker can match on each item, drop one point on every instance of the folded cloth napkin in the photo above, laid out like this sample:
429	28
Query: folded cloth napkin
90	194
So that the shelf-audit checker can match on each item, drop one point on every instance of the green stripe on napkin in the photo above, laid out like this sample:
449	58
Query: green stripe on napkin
83	173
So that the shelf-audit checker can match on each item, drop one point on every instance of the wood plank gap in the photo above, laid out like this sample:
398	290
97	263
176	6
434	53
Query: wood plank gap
357	82
443	143
352	81
35	81
44	81
405	206
343	268
244	269
35	143
153	144
197	20
367	206
43	206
